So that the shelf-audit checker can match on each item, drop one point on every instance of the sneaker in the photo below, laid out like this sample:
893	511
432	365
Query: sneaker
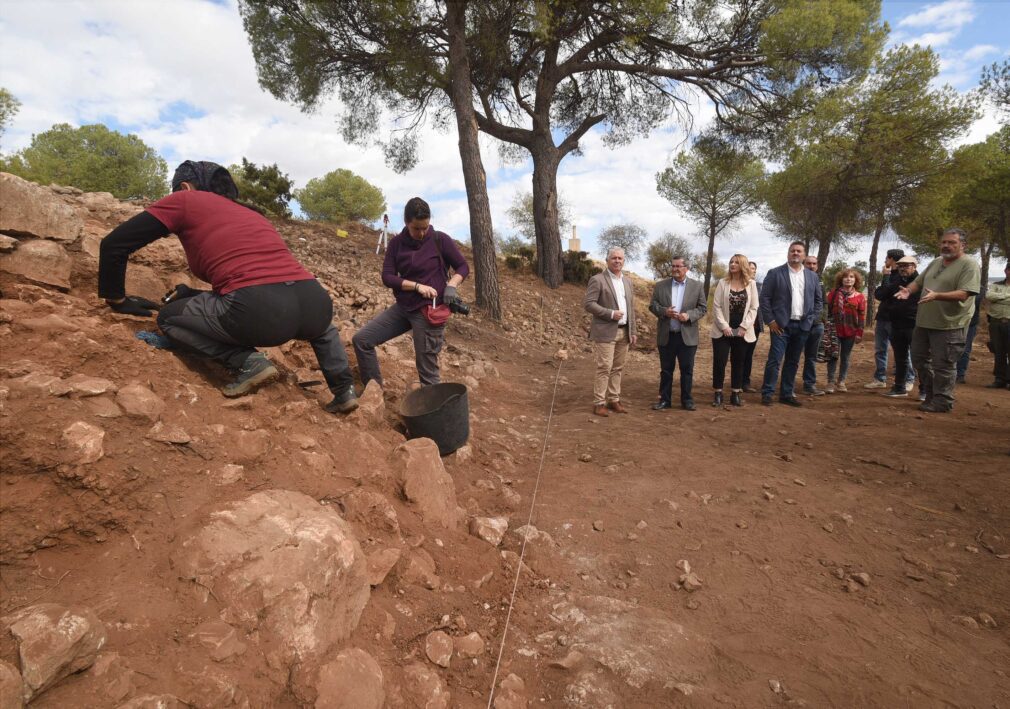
875	384
830	388
896	393
996	385
922	396
343	404
256	371
959	379
841	386
931	408
813	391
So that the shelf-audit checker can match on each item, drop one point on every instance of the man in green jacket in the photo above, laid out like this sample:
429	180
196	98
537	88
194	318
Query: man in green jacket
948	285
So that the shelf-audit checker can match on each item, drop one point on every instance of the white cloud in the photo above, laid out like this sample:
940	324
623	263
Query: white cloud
932	39
953	13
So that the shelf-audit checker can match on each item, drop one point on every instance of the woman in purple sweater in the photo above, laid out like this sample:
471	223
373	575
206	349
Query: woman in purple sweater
416	268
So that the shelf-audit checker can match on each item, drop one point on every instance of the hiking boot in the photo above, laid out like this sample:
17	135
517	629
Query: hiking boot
256	371
896	393
875	384
600	410
617	407
343	404
996	385
959	379
934	408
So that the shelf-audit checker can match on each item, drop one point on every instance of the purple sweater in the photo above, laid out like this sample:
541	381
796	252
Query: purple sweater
413	260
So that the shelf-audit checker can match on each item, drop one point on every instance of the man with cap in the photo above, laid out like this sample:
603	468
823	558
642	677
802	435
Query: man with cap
946	287
261	297
882	331
900	320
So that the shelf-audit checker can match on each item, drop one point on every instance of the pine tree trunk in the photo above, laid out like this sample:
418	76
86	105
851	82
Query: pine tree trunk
871	277
545	212
986	252
474	178
823	249
709	257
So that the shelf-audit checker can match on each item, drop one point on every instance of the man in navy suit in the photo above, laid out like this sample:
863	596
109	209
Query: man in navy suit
791	301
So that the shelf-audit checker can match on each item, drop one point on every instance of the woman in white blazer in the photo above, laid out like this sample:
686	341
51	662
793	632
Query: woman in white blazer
735	307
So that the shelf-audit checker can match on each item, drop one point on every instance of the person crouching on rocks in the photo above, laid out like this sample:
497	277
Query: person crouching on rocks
261	297
416	269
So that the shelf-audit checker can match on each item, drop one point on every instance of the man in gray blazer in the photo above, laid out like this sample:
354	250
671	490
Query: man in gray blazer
679	303
610	299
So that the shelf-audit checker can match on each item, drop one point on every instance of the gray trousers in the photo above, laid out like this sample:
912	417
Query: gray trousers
934	356
229	328
393	322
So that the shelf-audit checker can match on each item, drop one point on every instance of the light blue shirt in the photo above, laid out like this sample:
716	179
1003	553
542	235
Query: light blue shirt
677	300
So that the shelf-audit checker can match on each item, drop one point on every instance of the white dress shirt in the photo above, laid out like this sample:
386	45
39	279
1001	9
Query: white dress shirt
677	301
618	283
797	281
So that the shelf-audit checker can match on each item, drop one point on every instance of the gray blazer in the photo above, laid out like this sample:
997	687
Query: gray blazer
694	305
601	302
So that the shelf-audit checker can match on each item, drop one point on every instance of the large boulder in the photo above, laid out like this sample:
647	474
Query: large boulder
144	281
424	482
54	642
11	687
137	400
82	443
352	680
26	209
285	568
39	261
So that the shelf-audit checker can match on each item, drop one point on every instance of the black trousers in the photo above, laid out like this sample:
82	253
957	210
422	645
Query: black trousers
734	350
999	335
901	341
748	359
670	355
229	328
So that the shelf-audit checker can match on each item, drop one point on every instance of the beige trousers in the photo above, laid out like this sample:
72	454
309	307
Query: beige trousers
610	357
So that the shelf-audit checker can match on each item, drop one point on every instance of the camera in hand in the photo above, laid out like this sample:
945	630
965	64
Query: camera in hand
457	305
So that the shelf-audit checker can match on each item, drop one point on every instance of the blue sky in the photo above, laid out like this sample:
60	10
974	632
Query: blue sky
180	74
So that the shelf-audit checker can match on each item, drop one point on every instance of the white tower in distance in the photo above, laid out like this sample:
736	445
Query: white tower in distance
573	243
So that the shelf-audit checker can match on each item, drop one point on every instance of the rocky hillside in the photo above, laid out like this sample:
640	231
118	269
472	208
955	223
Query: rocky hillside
164	546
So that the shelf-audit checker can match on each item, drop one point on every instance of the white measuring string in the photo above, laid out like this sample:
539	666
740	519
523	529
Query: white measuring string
529	521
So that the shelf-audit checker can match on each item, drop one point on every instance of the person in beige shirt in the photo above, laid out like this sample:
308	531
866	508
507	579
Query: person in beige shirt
610	299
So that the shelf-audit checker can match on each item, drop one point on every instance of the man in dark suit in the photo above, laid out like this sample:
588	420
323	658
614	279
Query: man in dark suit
791	301
679	303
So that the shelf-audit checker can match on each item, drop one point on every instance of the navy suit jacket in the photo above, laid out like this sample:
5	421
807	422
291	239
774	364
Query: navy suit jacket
777	297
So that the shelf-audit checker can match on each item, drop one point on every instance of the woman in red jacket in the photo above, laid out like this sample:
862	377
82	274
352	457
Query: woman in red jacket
847	310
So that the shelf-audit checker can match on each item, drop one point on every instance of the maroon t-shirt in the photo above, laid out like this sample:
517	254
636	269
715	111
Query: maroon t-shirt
227	245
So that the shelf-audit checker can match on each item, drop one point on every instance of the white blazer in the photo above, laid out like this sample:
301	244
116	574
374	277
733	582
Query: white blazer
720	310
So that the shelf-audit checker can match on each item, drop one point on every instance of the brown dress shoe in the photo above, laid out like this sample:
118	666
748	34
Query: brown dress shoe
600	410
616	407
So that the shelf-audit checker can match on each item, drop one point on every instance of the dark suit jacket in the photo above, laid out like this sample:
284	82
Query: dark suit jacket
694	305
777	297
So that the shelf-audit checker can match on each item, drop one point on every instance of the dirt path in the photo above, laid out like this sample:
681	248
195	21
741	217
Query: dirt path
777	511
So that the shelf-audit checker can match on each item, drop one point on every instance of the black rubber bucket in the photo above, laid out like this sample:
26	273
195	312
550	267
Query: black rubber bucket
440	412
